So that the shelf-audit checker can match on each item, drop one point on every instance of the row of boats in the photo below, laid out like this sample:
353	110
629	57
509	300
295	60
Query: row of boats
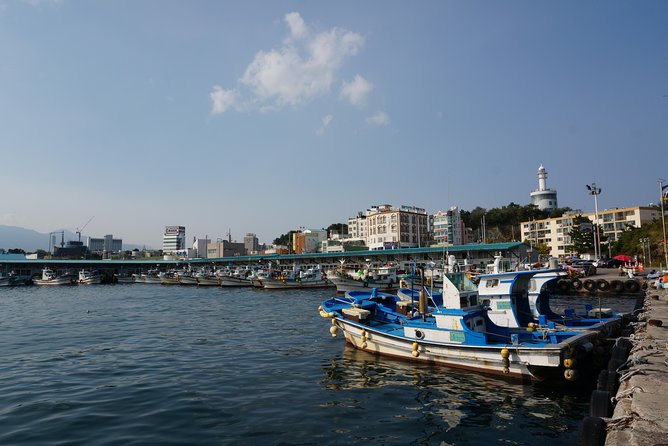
504	324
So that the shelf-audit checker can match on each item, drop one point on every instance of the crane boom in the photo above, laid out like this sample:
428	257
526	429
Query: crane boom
82	228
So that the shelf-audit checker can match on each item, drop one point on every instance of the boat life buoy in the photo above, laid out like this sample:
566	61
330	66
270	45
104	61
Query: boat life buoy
602	285
589	285
576	284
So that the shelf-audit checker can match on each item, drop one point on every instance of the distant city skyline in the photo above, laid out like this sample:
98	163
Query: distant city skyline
265	117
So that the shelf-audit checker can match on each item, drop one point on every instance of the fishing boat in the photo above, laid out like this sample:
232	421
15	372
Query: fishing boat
206	277
49	277
522	298
297	278
458	333
383	278
124	278
236	278
89	277
152	277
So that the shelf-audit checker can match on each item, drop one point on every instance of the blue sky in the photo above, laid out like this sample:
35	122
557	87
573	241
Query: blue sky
266	116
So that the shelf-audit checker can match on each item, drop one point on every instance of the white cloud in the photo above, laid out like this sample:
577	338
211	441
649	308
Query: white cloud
379	118
357	91
221	99
325	123
304	67
298	28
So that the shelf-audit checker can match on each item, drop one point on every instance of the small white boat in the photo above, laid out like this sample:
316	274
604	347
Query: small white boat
382	278
88	277
152	277
49	277
310	278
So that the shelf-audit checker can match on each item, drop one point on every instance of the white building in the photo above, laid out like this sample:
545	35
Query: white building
357	226
199	248
544	198
447	228
106	244
251	243
174	239
388	227
553	232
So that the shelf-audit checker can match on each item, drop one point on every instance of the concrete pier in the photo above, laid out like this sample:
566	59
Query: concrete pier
640	415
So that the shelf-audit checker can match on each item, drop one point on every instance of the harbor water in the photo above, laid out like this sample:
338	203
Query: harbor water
152	364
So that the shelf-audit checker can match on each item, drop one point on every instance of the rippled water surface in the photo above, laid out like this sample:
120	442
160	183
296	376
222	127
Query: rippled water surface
151	364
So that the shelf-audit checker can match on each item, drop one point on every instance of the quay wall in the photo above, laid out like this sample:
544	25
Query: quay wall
640	416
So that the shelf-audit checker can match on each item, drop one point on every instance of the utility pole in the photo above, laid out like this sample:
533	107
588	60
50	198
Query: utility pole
595	191
663	223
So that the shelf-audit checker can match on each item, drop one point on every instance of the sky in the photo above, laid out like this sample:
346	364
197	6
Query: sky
269	116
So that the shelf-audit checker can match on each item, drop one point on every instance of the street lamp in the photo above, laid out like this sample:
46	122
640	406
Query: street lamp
644	242
595	191
663	223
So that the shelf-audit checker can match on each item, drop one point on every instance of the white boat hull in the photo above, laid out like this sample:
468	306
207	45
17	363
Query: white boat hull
229	281
208	281
275	284
344	284
56	281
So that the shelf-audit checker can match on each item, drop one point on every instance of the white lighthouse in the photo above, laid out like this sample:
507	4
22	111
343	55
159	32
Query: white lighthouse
544	198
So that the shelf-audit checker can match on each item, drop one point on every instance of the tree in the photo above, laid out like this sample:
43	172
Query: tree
582	237
16	251
339	228
284	239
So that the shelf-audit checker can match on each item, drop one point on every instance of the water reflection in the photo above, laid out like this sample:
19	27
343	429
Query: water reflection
451	406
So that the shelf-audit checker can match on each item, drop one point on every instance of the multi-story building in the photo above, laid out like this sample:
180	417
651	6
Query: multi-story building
225	248
554	232
447	228
357	226
308	241
174	239
251	243
199	248
106	244
388	227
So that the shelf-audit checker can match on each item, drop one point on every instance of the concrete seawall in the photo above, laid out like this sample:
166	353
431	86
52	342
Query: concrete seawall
640	415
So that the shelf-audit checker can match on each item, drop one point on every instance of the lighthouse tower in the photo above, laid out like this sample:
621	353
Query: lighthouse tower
544	198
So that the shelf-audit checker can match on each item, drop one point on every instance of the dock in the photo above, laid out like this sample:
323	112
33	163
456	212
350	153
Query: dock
639	409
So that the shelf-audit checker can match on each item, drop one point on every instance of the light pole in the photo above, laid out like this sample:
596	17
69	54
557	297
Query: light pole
644	242
663	223
595	191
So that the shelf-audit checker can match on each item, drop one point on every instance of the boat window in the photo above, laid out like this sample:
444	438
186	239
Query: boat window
491	283
474	301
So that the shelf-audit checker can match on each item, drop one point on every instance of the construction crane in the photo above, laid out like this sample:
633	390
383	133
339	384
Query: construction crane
82	228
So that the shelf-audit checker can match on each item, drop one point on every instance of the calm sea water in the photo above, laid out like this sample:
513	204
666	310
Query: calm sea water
151	364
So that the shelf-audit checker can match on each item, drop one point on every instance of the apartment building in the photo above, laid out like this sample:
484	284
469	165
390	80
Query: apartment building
388	227
553	232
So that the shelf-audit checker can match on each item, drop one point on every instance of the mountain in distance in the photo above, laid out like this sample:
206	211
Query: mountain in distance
29	240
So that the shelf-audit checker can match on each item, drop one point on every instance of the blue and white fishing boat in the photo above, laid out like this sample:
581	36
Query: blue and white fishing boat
522	299
458	333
